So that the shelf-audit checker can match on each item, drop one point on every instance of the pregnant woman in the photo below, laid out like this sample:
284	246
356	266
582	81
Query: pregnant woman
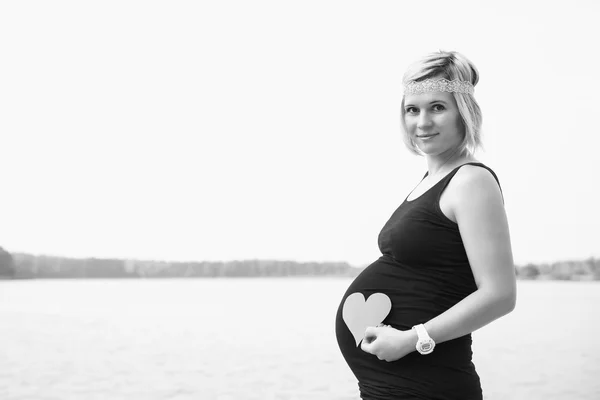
446	268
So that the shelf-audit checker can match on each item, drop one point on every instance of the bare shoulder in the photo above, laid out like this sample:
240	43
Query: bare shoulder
472	182
472	189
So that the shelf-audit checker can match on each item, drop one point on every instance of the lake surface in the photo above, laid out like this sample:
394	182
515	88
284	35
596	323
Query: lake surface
260	339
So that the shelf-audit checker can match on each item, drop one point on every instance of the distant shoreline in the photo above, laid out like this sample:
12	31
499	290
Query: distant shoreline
28	266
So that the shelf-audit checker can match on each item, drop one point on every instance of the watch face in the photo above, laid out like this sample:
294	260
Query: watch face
425	346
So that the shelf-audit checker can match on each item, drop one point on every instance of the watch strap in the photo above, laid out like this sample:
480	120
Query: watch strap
421	332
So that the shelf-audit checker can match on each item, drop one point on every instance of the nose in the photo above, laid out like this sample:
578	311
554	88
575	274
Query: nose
424	120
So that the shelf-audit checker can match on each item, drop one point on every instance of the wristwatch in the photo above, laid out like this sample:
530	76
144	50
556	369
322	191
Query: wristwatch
425	344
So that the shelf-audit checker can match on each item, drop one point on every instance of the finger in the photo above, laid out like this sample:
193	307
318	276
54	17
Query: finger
369	338
371	331
371	348
367	346
370	335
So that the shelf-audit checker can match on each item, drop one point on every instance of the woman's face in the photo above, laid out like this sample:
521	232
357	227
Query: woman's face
433	122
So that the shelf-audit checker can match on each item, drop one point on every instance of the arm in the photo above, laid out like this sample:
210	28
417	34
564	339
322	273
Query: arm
476	205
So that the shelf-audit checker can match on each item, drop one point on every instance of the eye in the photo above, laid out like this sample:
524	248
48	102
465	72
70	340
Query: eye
411	110
438	107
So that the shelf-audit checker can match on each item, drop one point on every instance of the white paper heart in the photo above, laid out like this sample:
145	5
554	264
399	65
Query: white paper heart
358	314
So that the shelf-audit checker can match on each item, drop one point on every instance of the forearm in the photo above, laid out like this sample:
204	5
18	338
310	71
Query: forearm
473	312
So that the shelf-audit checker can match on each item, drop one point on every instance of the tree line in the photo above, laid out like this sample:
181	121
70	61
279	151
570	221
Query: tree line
27	266
581	270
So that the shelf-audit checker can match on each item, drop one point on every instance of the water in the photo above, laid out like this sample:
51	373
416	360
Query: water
260	339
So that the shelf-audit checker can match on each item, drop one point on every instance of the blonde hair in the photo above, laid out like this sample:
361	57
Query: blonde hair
450	65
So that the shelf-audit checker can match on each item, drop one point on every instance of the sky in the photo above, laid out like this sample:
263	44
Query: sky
232	130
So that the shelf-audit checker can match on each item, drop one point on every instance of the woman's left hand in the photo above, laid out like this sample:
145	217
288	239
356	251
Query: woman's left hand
388	343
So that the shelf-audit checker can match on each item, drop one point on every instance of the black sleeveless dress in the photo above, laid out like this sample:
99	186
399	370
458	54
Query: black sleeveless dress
424	270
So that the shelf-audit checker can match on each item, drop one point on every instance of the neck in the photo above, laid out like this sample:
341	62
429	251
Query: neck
439	163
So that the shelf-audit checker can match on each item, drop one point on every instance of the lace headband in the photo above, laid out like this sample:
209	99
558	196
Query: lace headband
438	85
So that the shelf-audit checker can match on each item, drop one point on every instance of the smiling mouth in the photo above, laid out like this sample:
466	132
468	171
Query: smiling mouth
426	136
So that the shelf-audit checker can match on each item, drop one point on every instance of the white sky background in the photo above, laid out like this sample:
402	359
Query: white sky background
270	129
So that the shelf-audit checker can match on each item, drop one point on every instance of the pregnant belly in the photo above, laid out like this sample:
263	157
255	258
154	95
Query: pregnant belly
412	295
415	295
415	298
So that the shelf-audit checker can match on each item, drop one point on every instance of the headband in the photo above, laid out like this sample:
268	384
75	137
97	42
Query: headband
438	85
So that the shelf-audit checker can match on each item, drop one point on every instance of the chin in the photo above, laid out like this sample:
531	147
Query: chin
434	149
431	150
